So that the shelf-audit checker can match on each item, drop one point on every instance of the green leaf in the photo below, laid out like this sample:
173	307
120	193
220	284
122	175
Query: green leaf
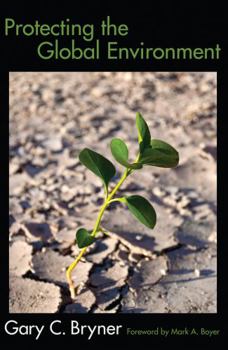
120	153
142	210
143	132
160	154
84	238
98	164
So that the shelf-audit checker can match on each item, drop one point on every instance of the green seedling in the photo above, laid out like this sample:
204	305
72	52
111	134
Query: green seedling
151	152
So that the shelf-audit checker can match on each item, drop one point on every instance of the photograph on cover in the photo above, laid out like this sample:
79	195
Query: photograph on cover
112	192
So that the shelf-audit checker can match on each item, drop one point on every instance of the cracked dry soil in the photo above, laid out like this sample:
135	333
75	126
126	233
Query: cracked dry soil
171	269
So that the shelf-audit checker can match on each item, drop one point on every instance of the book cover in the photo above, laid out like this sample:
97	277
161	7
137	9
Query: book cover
110	121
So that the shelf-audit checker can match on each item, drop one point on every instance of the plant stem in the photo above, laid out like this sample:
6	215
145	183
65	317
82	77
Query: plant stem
69	272
101	229
116	200
107	201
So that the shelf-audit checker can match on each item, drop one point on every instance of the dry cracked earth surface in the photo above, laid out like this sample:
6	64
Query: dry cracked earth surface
171	269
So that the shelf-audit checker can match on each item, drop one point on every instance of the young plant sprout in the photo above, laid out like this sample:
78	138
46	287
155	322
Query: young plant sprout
151	152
